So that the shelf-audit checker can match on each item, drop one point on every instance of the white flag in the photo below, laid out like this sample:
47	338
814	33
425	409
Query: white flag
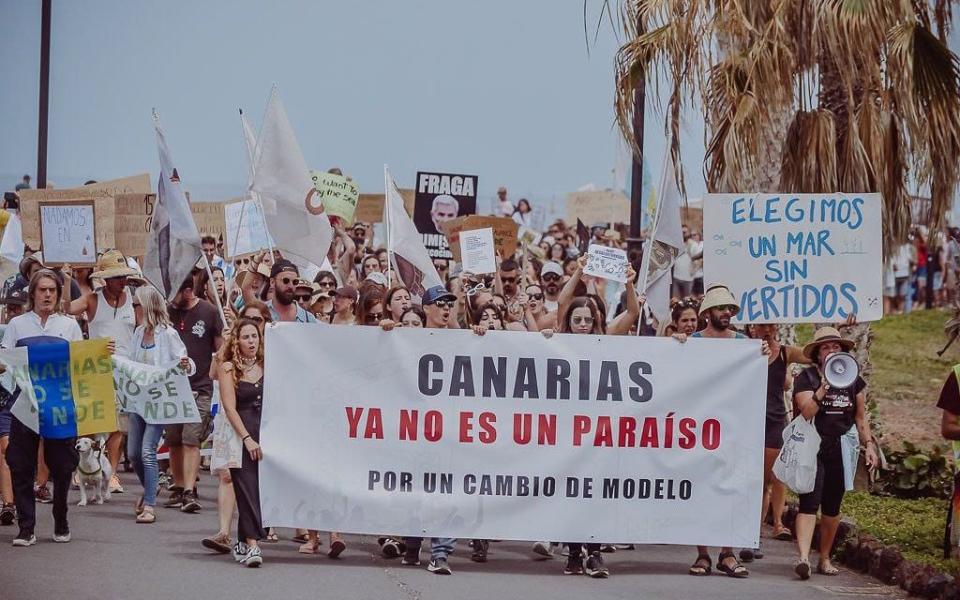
173	246
405	244
294	215
664	244
11	247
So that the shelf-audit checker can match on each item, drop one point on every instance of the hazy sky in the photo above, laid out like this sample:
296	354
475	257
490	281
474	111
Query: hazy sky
502	89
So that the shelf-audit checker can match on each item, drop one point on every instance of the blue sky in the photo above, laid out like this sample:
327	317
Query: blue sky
502	89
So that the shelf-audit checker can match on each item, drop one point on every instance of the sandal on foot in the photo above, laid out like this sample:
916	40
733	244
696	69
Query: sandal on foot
831	570
300	539
737	571
272	537
783	534
336	548
146	516
309	547
802	569
138	507
701	566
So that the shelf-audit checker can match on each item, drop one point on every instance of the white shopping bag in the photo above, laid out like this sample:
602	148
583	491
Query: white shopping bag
850	447
796	464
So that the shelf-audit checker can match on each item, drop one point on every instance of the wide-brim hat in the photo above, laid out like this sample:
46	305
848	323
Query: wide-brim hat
719	295
823	335
112	263
24	266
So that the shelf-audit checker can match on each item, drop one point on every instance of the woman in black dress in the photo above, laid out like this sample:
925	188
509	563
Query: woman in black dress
241	396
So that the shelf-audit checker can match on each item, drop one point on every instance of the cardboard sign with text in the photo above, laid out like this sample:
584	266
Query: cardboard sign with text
132	214
68	231
338	194
370	206
30	213
504	233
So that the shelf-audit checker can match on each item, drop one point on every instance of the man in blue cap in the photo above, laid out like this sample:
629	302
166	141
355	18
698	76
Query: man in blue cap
438	305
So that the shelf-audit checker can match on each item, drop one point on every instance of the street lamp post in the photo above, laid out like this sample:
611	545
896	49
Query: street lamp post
44	94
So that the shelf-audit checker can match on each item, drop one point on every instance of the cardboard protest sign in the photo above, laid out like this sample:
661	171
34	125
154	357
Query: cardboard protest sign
68	232
30	214
159	394
442	197
338	194
370	206
246	230
796	258
504	233
132	214
477	251
598	207
606	262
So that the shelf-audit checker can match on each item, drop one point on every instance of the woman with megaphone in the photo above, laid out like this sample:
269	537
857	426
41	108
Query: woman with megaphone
834	410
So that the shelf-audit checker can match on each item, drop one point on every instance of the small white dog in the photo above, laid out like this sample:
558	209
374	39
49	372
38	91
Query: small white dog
94	469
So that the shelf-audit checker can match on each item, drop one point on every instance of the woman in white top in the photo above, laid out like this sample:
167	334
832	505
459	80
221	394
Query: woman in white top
523	215
155	342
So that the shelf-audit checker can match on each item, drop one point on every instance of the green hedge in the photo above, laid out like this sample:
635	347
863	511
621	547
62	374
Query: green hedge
915	526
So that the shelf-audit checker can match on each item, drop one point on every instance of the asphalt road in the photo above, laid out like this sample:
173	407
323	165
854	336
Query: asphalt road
112	557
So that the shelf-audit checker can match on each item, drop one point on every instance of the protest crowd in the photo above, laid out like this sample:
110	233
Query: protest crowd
208	324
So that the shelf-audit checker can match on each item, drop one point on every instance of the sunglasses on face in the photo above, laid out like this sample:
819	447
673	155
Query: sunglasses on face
241	262
551	277
443	304
577	320
286	280
304	297
535	296
374	317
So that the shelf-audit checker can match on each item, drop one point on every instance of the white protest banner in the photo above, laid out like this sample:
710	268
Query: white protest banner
68	232
796	258
477	251
246	231
161	395
606	262
426	432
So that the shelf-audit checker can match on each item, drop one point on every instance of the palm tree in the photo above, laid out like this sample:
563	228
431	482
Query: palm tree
807	96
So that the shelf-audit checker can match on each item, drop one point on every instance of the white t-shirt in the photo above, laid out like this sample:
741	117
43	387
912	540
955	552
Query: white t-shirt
901	261
28	326
504	208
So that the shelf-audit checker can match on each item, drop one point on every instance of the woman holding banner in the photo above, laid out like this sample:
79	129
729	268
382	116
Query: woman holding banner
154	342
241	396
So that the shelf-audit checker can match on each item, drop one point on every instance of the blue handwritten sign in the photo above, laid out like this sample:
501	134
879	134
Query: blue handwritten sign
796	258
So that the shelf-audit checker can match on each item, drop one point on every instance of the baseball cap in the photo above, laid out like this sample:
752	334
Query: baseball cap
437	292
378	278
348	291
284	266
551	267
15	295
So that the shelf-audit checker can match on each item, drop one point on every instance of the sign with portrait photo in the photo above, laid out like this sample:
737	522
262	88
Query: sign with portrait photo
442	197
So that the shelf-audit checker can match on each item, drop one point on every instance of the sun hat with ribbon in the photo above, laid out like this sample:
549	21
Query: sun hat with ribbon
112	263
823	335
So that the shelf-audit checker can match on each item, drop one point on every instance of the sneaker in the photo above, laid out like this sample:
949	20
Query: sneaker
595	567
758	551
574	566
747	555
252	559
439	566
115	486
390	548
8	512
543	549
176	498
411	557
480	548
24	539
42	494
240	551
62	538
190	504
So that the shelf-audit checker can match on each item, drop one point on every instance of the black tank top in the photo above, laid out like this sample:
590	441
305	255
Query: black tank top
776	376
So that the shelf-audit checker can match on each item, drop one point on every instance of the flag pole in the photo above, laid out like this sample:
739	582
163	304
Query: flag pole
223	315
386	220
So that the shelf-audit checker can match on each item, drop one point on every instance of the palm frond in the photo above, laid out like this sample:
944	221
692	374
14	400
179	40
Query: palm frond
809	162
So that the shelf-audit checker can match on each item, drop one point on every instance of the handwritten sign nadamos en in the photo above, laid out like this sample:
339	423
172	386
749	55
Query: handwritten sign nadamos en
796	258
68	232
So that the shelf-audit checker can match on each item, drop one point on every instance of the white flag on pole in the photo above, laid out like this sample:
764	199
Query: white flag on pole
664	244
405	244
173	246
293	213
11	247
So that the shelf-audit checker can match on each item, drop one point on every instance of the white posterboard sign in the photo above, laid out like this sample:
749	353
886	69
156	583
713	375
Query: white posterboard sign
246	230
477	251
796	258
606	262
68	232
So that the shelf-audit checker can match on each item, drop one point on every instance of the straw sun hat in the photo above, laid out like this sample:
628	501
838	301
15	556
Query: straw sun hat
719	295
113	263
823	335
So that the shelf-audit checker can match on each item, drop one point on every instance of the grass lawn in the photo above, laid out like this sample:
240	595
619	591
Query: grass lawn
915	526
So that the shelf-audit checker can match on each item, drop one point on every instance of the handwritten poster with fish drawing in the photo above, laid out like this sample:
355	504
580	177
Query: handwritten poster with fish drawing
68	233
